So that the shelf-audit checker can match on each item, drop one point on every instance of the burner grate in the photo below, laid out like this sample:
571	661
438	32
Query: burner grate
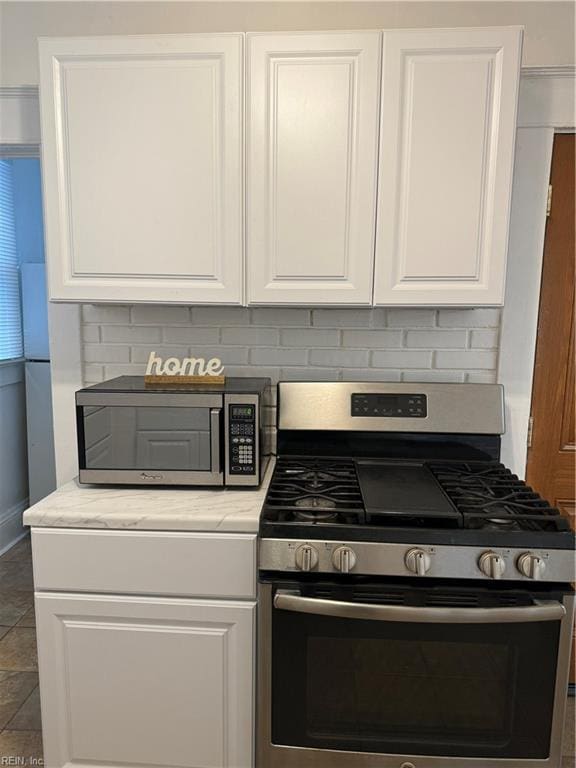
315	490
490	497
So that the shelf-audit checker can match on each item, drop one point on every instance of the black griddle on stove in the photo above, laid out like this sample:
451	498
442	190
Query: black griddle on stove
403	490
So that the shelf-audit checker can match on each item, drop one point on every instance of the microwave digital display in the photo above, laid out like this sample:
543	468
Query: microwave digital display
242	411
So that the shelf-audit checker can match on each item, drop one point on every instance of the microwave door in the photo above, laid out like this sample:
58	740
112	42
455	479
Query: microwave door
173	442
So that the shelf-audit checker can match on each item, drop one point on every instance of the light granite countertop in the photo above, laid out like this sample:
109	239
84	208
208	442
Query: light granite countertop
154	509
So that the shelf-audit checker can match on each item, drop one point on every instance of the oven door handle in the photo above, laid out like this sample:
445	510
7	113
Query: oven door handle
541	610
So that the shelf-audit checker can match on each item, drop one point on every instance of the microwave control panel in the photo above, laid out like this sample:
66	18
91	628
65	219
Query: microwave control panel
241	438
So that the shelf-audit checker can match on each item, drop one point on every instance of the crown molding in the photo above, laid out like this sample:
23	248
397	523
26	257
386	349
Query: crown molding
566	70
18	92
19	150
20	124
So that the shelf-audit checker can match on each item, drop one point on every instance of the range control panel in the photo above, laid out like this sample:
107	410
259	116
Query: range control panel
241	438
389	405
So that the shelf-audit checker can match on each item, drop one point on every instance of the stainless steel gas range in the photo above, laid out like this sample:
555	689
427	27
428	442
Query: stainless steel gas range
415	606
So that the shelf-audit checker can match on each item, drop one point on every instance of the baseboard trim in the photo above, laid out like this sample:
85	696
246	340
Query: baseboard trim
11	528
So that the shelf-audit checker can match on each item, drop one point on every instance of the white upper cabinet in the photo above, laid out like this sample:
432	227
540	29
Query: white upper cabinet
446	158
142	163
312	133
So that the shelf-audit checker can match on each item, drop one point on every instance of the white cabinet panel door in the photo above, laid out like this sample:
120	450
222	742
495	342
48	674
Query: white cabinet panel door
142	163
446	158
311	166
146	682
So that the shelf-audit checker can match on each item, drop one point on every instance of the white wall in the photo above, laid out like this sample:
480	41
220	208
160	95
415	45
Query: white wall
549	35
13	464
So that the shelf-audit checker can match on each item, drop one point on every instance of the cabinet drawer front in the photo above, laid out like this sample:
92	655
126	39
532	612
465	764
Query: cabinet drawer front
145	562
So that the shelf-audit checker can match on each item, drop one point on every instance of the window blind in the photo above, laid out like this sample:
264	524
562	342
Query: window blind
10	308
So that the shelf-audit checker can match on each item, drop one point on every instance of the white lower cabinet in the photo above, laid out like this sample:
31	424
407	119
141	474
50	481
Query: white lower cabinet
138	681
146	644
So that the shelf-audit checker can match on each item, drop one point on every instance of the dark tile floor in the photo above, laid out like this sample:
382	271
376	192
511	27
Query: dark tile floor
20	725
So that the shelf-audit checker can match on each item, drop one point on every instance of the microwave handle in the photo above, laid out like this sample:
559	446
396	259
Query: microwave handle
215	439
541	610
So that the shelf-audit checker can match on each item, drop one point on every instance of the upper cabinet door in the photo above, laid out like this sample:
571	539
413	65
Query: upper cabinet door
446	158
142	163
311	166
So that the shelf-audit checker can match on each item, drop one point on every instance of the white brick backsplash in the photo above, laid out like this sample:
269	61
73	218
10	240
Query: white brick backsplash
135	369
219	316
228	355
269	372
156	314
309	374
93	374
278	356
401	359
372	339
191	335
106	353
370	374
342	318
285	343
469	318
340	358
481	377
436	339
257	337
141	354
466	359
448	377
131	334
410	318
105	314
280	316
486	339
310	337
91	333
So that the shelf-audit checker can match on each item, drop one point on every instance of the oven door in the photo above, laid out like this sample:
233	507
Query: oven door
367	675
150	438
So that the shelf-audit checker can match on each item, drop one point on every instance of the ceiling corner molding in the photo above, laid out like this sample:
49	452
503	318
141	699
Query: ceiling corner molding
20	124
18	91
19	150
547	98
566	70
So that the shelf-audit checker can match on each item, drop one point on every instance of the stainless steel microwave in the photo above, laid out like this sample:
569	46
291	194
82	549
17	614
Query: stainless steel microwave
131	434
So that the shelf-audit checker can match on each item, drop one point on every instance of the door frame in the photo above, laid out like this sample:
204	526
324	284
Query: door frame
546	106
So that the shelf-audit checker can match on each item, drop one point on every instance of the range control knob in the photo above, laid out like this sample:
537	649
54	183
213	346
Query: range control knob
531	565
417	561
306	557
492	565
344	559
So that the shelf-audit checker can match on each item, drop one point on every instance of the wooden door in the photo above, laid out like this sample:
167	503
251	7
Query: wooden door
551	456
312	110
447	135
142	167
140	681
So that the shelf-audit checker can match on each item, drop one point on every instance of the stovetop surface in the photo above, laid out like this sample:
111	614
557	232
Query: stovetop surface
470	502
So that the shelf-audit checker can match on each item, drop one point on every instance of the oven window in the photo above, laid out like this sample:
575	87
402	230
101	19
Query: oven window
476	690
122	437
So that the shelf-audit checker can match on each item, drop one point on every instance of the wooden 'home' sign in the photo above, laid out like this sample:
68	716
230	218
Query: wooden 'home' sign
188	370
